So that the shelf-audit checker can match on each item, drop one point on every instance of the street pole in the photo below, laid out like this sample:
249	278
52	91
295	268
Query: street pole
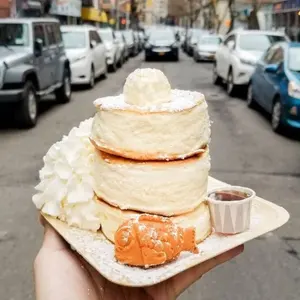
117	14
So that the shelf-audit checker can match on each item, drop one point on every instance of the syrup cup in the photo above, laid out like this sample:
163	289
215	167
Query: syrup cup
230	208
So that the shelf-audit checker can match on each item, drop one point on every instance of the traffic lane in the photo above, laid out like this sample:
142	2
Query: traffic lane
21	154
245	151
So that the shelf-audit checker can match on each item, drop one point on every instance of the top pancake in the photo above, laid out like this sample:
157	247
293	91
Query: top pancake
166	131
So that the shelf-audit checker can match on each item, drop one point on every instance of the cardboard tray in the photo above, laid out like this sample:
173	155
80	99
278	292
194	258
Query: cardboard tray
99	252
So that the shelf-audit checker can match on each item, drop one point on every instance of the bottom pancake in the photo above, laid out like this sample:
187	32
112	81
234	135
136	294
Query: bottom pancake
111	218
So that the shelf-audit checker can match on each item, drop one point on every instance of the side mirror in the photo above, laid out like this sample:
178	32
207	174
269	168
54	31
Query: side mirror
93	44
38	47
273	68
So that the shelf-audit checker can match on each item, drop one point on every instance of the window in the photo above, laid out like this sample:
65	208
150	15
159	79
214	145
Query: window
294	59
94	36
38	31
277	56
50	31
14	34
74	39
267	57
57	33
229	39
258	42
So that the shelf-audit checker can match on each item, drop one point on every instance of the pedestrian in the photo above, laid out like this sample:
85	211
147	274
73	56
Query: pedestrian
62	274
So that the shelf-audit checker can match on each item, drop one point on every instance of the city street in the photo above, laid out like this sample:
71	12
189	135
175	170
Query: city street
244	151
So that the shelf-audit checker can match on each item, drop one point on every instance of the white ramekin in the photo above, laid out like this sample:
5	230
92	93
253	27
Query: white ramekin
231	217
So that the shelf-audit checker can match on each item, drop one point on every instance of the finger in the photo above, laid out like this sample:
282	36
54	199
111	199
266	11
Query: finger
42	219
52	240
185	279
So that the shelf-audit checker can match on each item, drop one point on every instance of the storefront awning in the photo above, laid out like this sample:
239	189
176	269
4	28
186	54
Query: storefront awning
93	14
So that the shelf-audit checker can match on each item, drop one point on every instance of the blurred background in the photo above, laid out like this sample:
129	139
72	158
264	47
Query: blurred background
56	57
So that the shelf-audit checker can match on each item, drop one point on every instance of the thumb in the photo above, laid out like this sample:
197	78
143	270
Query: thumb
52	240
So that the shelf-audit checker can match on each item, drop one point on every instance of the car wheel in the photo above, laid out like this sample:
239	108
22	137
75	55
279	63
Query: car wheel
216	77
230	84
64	92
27	112
251	103
196	59
119	63
113	66
276	118
92	78
104	75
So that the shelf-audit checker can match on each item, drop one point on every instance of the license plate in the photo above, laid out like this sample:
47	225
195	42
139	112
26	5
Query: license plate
161	53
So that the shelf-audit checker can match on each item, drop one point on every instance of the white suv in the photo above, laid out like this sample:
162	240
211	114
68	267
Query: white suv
238	54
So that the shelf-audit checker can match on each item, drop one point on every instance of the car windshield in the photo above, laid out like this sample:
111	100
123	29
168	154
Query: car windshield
74	40
119	36
14	34
294	59
106	35
210	40
196	34
128	36
258	42
162	35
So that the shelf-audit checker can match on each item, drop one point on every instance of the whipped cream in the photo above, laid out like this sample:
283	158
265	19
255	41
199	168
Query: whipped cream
66	188
147	87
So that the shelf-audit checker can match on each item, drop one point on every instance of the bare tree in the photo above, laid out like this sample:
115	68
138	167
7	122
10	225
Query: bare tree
252	18
232	13
218	19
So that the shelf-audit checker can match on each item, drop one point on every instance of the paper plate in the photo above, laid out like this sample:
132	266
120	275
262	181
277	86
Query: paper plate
99	252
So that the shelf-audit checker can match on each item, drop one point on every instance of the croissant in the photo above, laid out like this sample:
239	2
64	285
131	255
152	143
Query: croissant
150	240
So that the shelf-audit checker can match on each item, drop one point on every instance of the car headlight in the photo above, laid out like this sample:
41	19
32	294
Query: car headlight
247	62
294	90
76	59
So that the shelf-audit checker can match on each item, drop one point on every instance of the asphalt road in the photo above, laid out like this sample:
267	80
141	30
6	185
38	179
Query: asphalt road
244	151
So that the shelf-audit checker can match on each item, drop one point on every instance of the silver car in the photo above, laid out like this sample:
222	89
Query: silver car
206	47
33	64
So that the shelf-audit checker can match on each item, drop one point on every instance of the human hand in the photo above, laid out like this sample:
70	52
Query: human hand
62	274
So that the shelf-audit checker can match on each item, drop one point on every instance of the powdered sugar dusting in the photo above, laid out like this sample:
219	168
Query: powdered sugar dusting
99	252
180	100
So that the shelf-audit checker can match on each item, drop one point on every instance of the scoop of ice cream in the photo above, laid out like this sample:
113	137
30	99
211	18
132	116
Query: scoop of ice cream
147	87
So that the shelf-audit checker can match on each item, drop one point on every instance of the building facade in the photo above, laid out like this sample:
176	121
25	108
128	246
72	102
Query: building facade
286	17
5	8
67	11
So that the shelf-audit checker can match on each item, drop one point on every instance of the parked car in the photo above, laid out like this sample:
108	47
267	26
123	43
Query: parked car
238	54
113	49
131	42
275	85
122	43
206	48
33	64
86	53
187	36
137	41
142	39
192	40
162	43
